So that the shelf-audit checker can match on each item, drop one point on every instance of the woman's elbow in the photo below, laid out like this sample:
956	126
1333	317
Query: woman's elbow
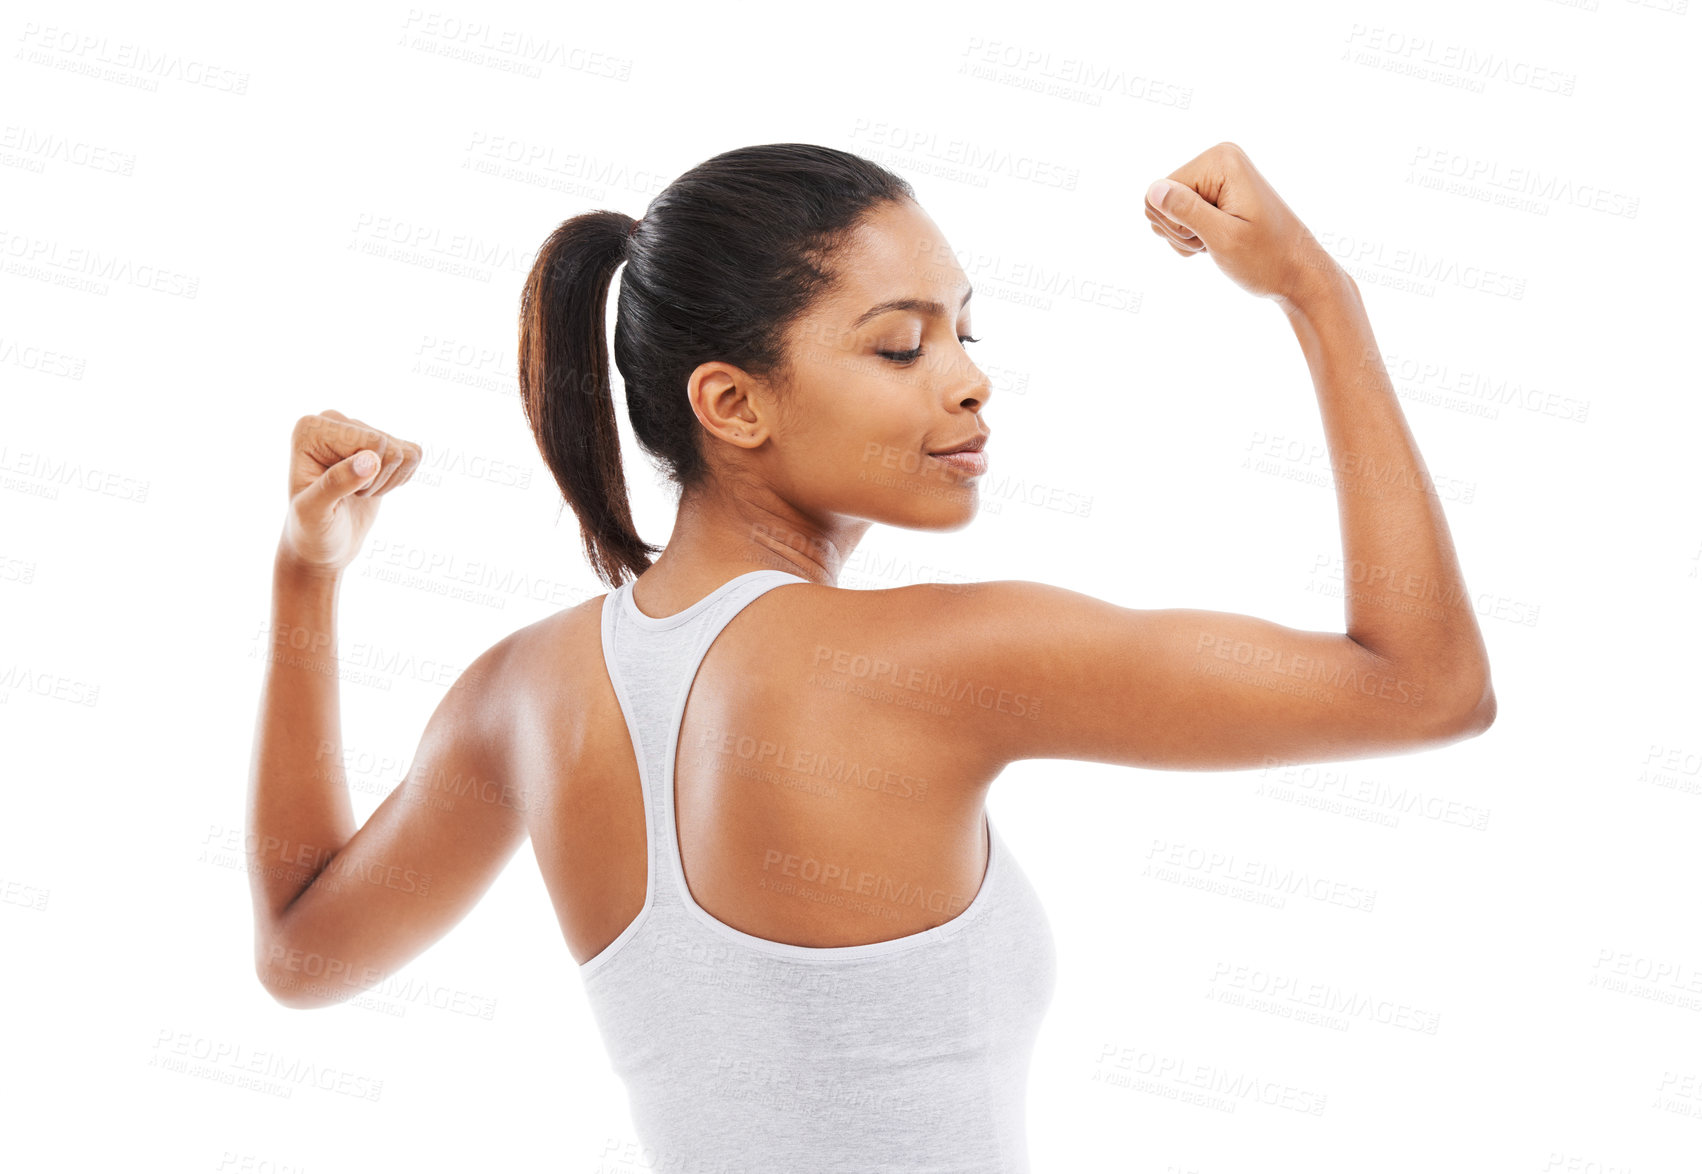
1484	716
288	990
294	982
1474	719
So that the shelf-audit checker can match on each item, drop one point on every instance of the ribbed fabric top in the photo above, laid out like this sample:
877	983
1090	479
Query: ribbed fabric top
742	1055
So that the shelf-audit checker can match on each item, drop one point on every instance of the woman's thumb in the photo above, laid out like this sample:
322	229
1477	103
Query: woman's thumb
1183	205
356	470
342	479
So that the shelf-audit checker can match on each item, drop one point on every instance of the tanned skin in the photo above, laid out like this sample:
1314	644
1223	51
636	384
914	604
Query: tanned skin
930	689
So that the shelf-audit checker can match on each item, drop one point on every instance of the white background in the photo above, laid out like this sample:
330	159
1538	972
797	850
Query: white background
190	199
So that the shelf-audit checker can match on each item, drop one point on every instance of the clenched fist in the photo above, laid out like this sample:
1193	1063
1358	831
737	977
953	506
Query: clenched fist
1219	204
339	468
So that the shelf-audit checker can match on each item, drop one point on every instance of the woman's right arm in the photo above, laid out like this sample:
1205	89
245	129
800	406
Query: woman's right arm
1203	690
339	906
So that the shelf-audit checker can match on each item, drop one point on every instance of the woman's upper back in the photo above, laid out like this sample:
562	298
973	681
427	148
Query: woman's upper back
800	745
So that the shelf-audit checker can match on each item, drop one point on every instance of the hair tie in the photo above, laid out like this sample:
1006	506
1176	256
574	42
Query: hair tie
634	227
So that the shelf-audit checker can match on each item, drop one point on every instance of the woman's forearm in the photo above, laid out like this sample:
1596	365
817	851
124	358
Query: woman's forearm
298	800
1406	599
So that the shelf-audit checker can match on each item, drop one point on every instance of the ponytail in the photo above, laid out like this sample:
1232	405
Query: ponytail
565	389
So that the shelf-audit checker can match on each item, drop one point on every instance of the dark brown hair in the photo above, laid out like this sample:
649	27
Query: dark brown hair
726	258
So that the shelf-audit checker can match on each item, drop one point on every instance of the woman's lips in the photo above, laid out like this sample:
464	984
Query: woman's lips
972	464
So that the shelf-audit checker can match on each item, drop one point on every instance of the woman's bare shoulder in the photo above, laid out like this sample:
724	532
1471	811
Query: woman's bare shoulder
533	675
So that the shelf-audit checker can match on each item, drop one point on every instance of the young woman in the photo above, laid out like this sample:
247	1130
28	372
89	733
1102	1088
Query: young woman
757	798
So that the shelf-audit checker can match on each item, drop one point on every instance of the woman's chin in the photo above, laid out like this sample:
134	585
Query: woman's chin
928	506
945	518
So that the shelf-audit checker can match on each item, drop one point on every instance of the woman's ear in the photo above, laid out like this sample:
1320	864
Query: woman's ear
730	403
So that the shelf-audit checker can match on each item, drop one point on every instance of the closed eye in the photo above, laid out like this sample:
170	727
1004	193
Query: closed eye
905	358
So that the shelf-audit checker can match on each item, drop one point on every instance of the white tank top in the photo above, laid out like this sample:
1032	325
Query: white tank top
742	1055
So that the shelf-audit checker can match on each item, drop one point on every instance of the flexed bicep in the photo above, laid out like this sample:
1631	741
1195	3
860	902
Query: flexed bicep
417	866
1183	688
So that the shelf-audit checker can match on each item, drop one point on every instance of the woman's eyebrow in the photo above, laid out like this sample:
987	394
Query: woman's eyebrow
922	305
